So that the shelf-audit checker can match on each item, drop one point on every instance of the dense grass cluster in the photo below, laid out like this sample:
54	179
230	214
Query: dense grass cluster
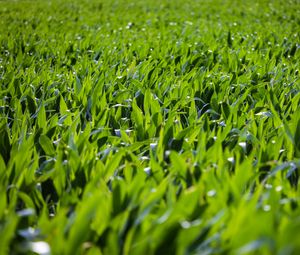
149	127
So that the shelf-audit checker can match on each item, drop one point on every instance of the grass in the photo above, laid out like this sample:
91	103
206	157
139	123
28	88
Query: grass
149	127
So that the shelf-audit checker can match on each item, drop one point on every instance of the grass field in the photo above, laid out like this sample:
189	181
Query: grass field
149	127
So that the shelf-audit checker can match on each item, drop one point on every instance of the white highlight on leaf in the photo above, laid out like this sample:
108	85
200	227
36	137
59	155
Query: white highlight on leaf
41	248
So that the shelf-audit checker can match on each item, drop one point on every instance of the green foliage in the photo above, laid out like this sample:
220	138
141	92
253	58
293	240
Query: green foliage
149	127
